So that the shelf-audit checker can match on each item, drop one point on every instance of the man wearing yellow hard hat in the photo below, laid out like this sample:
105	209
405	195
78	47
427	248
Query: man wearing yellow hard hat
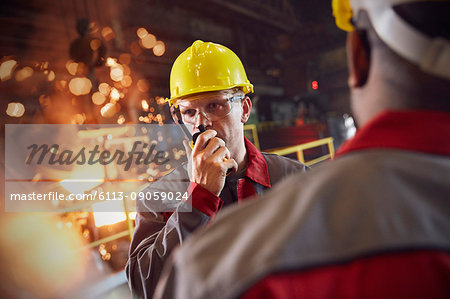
374	222
209	88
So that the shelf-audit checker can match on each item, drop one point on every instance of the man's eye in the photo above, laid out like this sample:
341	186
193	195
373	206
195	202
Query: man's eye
214	106
189	112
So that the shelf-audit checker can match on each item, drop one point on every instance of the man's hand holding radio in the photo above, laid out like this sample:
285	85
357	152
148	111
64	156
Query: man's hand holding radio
209	162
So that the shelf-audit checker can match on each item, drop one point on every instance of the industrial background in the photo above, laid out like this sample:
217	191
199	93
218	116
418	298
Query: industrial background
108	62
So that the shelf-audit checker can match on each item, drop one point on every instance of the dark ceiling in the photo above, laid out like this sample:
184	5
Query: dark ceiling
284	45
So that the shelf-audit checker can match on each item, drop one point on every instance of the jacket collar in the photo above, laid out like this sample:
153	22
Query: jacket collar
257	169
413	130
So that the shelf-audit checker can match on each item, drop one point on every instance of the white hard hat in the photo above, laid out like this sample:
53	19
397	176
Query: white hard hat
431	54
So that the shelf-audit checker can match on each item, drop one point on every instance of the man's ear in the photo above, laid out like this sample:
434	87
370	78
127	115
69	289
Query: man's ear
246	104
358	58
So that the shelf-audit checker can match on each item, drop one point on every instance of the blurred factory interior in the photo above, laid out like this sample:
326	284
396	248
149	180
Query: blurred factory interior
108	62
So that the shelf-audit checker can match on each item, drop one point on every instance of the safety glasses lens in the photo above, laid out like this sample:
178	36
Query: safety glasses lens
212	109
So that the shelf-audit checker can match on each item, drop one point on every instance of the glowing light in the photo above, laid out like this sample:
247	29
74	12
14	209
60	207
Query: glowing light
159	49
82	68
110	61
143	85
116	73
118	85
15	109
61	85
79	186
115	94
178	154
6	69
349	126
104	88
144	105
141	32
121	120
108	110
51	76
125	58
80	86
152	171
24	73
135	49
44	65
98	98
93	27
77	182
126	81
107	33
106	256
78	119
160	100
126	70
72	67
315	85
44	100
35	246
101	217
132	215
95	44
148	41
102	249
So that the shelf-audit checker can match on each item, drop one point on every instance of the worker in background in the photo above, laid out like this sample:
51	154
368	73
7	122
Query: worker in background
373	223
208	87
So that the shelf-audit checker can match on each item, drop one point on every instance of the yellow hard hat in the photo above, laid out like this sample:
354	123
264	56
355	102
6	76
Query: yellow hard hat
204	67
342	12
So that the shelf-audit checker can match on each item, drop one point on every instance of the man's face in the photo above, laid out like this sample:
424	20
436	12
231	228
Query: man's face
216	111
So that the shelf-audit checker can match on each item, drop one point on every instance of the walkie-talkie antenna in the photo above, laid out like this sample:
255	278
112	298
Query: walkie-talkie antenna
182	125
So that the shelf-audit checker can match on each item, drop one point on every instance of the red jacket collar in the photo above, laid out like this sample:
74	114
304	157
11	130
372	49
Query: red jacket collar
257	169
419	130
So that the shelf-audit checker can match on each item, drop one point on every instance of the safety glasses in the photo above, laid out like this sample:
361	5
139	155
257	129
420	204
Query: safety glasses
212	108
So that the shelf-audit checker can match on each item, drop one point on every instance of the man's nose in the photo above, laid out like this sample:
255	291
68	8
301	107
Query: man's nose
202	119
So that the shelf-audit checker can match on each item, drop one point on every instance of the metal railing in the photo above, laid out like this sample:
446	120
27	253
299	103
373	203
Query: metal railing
299	149
87	206
254	130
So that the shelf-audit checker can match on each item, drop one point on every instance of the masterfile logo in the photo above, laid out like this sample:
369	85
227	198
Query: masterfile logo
53	167
94	156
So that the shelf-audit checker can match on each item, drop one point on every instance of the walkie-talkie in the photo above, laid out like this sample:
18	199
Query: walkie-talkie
195	136
202	129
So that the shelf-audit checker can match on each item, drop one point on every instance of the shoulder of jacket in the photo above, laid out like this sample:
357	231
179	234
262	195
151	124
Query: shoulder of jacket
269	157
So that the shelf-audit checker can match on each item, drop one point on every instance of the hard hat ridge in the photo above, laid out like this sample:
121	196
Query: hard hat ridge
195	48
